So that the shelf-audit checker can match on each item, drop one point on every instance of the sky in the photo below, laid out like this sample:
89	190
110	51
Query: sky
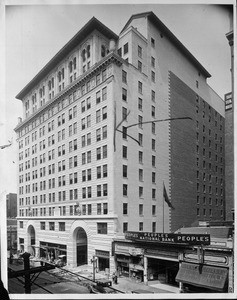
35	33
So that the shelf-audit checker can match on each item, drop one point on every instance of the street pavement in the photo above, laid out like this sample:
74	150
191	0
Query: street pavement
57	281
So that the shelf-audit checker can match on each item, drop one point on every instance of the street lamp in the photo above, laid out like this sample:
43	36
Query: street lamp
93	261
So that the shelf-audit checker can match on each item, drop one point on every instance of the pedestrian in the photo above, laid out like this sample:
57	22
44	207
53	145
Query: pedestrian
11	258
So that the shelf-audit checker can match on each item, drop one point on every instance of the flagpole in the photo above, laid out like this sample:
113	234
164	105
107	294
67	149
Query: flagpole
163	210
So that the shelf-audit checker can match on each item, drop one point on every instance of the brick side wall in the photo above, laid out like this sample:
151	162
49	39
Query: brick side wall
197	153
182	154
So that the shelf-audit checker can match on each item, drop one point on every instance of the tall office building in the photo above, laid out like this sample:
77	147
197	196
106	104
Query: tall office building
86	175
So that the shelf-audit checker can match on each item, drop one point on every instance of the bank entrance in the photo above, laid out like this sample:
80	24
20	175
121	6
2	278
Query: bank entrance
163	271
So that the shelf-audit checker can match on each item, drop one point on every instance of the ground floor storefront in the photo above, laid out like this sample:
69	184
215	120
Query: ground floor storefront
193	269
143	264
75	242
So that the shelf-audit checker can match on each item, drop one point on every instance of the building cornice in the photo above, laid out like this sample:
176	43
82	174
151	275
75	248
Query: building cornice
166	32
112	57
91	25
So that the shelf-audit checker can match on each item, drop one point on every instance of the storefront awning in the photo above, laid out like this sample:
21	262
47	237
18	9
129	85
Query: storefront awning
204	276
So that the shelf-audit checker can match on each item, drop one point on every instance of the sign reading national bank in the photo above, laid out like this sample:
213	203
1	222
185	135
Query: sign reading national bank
169	238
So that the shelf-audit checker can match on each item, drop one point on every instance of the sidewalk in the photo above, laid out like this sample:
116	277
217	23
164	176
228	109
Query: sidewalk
125	284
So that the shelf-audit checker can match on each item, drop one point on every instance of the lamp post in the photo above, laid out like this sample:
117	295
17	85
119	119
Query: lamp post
93	261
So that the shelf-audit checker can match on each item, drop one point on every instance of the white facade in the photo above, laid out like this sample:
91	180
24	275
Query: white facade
74	167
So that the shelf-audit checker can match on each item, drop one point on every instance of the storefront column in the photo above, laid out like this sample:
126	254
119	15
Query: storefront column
181	286
145	277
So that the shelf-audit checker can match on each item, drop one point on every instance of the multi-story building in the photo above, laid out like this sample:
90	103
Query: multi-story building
11	213
85	176
11	205
229	137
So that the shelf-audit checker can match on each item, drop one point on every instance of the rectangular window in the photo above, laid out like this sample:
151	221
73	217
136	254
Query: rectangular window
139	51
140	139
124	113
140	120
153	76
98	116
125	227
102	228
124	94
153	96
153	111
140	191
105	190
124	76
152	43
124	132
140	87
42	225
104	112
140	226
153	144
140	157
51	226
98	190
98	172
125	171
153	62
98	97
105	171
125	208
140	175
139	66
125	152
141	209
125	189
140	104
61	226
125	48
104	94
104	132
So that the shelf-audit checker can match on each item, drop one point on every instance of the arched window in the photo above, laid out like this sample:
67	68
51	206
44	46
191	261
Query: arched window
83	54
59	76
74	63
88	48
70	66
103	51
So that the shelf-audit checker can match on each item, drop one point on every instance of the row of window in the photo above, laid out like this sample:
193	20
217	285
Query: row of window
101	133
101	153
52	84
102	190
72	210
205	212
140	209
140	226
210	202
81	91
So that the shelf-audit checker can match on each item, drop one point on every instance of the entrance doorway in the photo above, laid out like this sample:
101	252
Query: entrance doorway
81	244
163	270
31	240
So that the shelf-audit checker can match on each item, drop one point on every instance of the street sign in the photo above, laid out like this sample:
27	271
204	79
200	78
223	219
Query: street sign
169	238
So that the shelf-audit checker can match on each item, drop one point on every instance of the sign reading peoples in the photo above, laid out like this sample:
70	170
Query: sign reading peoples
169	238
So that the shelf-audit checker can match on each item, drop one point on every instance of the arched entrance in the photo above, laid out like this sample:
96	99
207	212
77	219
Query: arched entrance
81	246
31	240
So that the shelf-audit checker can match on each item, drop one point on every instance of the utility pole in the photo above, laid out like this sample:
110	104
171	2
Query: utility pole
26	257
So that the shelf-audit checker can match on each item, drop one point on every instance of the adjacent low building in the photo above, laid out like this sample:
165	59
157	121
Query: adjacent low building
197	259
